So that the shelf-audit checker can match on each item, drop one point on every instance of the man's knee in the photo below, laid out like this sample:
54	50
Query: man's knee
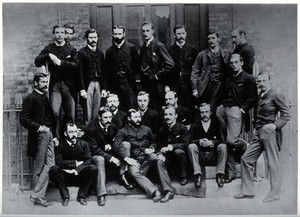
99	160
132	170
54	169
222	147
152	157
126	145
193	148
179	152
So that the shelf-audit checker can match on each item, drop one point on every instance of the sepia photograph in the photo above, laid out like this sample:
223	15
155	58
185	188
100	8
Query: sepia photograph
149	109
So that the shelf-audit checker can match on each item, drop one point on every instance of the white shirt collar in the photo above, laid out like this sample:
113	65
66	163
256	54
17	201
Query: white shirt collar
149	41
70	144
206	125
115	112
143	112
217	48
120	45
92	48
39	92
180	45
60	45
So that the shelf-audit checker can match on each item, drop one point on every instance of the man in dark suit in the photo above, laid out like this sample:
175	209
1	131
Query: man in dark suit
118	116
60	59
91	73
172	142
38	118
267	137
122	65
184	56
150	117
206	147
100	134
239	97
74	166
242	48
156	65
136	148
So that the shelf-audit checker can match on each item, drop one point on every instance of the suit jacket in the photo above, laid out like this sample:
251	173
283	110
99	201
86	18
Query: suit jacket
151	119
119	119
178	136
269	105
124	59
159	63
201	69
98	138
68	71
66	156
213	133
36	111
247	53
90	60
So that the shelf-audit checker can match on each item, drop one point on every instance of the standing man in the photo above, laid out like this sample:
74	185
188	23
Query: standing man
267	135
91	74
138	151
172	142
59	56
74	166
184	57
150	117
69	32
122	65
118	116
206	147
156	65
240	96
209	72
38	118
242	48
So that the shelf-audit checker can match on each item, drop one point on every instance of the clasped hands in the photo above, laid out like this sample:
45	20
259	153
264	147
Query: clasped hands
206	143
55	59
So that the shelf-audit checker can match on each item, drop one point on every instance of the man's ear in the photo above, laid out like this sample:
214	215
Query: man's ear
65	133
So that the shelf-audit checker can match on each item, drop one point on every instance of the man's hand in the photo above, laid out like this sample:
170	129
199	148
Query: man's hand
167	89
54	59
161	157
83	94
107	147
166	149
269	128
132	162
195	93
56	142
104	93
71	171
206	143
149	150
115	161
78	163
43	129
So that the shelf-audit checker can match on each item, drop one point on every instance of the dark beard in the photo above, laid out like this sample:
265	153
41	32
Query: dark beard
118	40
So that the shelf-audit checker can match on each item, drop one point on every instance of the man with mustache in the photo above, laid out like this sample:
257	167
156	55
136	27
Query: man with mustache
184	56
69	32
37	116
74	166
206	148
118	116
91	73
60	59
209	72
122	65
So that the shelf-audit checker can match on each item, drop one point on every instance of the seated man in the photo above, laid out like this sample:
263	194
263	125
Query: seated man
206	147
74	166
100	134
136	148
172	141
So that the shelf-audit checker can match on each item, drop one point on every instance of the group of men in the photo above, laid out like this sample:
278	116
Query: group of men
191	107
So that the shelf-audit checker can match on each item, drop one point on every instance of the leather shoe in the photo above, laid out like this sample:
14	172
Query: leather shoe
33	198
156	196
82	201
123	181
65	201
220	180
229	179
270	199
168	196
41	201
198	181
101	200
183	181
243	196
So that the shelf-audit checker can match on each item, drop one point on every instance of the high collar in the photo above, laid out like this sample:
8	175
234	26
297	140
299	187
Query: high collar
39	92
149	41
180	45
119	45
91	48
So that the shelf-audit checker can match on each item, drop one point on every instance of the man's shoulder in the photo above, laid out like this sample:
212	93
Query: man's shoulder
83	143
248	76
151	112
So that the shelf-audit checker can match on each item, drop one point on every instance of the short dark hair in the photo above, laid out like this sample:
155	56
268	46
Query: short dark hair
143	93
179	27
56	26
148	23
87	32
170	107
211	32
119	27
131	111
69	124
241	58
264	73
67	26
240	30
103	110
37	77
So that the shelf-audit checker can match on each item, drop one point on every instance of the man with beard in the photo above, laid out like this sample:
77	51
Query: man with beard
242	48
184	57
60	57
100	134
172	142
37	116
206	147
74	166
150	117
118	116
91	75
239	96
135	142
209	72
267	137
69	32
156	65
122	65
183	114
